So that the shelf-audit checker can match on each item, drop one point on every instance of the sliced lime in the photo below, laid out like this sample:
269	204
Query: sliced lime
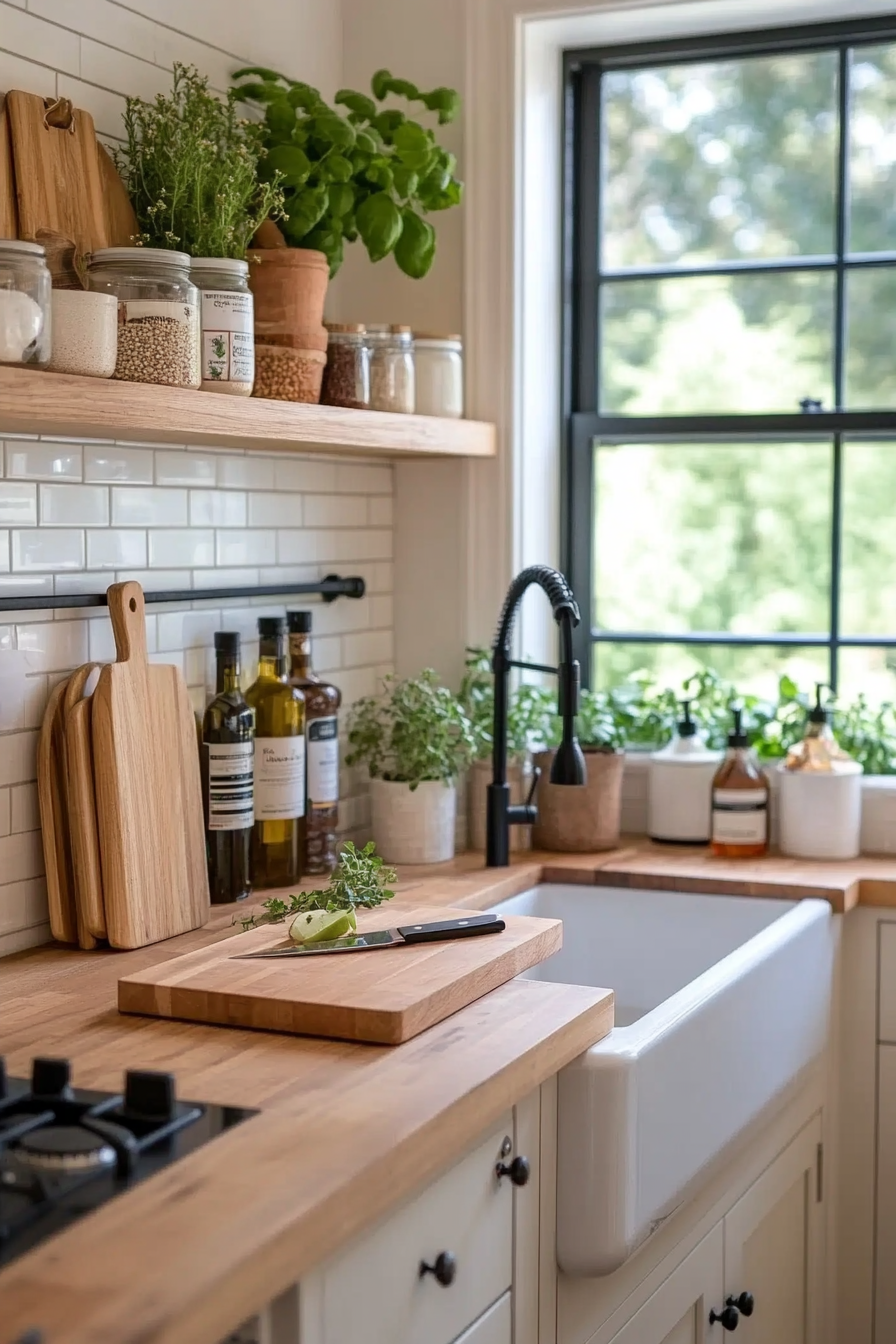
317	926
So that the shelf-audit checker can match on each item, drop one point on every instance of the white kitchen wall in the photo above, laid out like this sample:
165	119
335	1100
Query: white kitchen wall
75	517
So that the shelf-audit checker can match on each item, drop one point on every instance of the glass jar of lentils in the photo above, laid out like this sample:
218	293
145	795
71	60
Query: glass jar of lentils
158	313
347	375
391	369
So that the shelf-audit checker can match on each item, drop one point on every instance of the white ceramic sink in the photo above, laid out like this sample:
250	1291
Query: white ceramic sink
721	1003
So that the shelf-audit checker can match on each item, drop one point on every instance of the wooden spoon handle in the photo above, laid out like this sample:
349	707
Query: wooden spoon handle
128	613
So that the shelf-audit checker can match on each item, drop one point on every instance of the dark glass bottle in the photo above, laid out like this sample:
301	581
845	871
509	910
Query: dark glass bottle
228	744
322	701
278	839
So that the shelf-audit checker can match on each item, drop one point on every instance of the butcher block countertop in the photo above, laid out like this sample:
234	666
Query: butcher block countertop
345	1132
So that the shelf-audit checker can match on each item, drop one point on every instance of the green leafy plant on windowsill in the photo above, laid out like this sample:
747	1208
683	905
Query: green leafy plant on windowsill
525	710
415	730
361	881
370	172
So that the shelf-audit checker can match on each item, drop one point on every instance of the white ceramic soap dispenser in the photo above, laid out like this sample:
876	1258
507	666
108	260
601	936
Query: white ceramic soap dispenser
680	791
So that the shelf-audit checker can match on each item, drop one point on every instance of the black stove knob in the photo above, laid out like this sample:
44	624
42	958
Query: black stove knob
149	1094
51	1078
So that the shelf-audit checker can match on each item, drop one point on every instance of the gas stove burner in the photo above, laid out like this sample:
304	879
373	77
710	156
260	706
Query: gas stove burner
65	1148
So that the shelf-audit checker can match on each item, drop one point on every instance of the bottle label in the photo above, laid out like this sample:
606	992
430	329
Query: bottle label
323	762
230	786
279	778
740	816
228	343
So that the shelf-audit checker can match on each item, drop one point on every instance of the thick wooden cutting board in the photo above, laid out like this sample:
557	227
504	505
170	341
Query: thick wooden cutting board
148	791
51	797
385	997
81	800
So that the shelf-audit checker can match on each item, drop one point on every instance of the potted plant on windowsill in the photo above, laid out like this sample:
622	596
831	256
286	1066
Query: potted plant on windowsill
415	739
581	820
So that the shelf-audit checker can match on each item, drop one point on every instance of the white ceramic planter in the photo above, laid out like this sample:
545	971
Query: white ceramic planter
820	815
413	827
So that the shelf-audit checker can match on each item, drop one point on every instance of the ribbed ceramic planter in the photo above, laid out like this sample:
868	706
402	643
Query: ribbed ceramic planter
519	777
579	819
413	827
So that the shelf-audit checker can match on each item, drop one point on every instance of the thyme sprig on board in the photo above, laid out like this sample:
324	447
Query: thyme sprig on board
361	880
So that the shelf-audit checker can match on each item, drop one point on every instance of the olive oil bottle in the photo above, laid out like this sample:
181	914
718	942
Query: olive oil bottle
278	838
322	702
228	746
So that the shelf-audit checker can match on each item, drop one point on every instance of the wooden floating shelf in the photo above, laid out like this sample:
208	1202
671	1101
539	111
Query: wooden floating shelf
34	402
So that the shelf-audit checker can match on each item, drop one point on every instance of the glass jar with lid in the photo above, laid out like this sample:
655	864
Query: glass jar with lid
24	304
439	374
158	313
391	369
347	375
227	324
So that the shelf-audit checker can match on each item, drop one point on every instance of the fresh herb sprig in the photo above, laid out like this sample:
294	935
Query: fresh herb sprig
361	879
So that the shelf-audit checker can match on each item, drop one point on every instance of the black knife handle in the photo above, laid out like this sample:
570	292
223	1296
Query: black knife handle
469	927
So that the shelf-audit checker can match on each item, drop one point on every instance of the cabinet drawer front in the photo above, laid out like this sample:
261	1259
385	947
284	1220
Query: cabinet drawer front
492	1328
886	993
374	1291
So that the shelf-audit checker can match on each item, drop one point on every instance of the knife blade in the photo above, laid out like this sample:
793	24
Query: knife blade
472	926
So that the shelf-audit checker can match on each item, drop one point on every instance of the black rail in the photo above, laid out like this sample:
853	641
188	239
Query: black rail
329	589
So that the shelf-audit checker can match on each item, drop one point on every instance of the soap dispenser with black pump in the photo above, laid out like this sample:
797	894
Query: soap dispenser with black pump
739	799
680	786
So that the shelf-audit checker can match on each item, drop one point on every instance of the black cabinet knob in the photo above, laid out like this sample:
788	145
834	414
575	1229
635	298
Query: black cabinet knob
745	1303
150	1094
51	1077
444	1271
518	1170
727	1318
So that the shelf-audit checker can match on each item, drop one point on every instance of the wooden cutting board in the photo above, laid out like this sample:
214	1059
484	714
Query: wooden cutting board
81	800
148	791
51	790
384	997
121	222
9	220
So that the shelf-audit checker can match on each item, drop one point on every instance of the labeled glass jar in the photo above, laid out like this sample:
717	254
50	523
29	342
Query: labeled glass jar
439	375
347	375
25	321
227	324
158	313
391	369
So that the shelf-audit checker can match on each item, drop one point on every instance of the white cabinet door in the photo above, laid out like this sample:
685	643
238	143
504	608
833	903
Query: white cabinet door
678	1312
774	1247
885	1232
494	1327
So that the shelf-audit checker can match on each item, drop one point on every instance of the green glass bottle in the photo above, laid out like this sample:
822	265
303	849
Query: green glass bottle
228	744
278	838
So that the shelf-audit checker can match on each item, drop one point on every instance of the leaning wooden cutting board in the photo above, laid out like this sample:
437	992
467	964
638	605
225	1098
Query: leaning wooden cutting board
148	791
385	997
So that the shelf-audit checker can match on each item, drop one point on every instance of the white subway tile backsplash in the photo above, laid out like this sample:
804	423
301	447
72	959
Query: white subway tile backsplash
186	629
335	511
225	578
18	758
32	585
100	641
156	580
149	508
47	549
121	73
23	906
18	503
116	548
272	510
106	108
39	41
246	473
185	468
381	613
28	460
108	22
380	511
53	646
17	73
217	508
303	475
189	547
357	478
5	811
369	647
296	548
25	811
73	505
131	466
4	551
243	546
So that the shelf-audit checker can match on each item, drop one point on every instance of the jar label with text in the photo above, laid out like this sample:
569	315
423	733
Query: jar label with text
323	762
279	778
230	785
228	341
739	816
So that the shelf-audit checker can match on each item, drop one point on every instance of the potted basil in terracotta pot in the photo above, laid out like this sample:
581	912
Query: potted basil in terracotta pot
415	739
588	818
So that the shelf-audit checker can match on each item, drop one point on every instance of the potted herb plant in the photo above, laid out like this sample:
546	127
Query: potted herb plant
587	818
415	739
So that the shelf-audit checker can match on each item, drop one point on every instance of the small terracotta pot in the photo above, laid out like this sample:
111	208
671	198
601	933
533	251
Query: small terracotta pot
584	818
519	777
413	827
289	286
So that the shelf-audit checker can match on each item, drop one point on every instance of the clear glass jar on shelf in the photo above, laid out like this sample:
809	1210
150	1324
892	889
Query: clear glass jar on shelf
347	375
439	375
25	335
158	313
391	369
227	322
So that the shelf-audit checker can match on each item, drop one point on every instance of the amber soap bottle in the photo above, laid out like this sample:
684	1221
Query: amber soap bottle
322	702
739	800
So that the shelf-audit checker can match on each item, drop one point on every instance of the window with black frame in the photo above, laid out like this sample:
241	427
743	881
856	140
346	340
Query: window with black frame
730	483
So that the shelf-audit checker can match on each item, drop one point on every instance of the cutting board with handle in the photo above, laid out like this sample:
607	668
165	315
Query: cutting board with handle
148	790
121	222
385	996
9	219
81	799
51	797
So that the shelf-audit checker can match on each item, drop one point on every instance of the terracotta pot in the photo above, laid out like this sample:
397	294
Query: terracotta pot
580	819
413	827
519	777
289	286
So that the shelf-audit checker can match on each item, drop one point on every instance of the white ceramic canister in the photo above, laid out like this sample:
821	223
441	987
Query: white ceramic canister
439	373
820	812
679	801
413	826
85	333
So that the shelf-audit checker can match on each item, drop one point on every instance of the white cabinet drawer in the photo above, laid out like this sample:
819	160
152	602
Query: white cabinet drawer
492	1328
374	1290
886	1000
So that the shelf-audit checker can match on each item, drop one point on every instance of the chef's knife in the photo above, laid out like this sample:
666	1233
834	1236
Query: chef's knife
471	927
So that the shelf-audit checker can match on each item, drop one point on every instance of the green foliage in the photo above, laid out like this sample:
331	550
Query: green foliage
525	710
191	167
360	881
368	172
415	730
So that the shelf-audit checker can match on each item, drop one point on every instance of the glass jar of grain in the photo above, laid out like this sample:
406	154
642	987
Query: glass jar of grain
24	304
347	375
158	313
391	369
227	322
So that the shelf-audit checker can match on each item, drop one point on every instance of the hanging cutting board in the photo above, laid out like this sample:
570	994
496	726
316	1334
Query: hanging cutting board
9	221
54	820
386	996
121	222
57	176
148	791
81	800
